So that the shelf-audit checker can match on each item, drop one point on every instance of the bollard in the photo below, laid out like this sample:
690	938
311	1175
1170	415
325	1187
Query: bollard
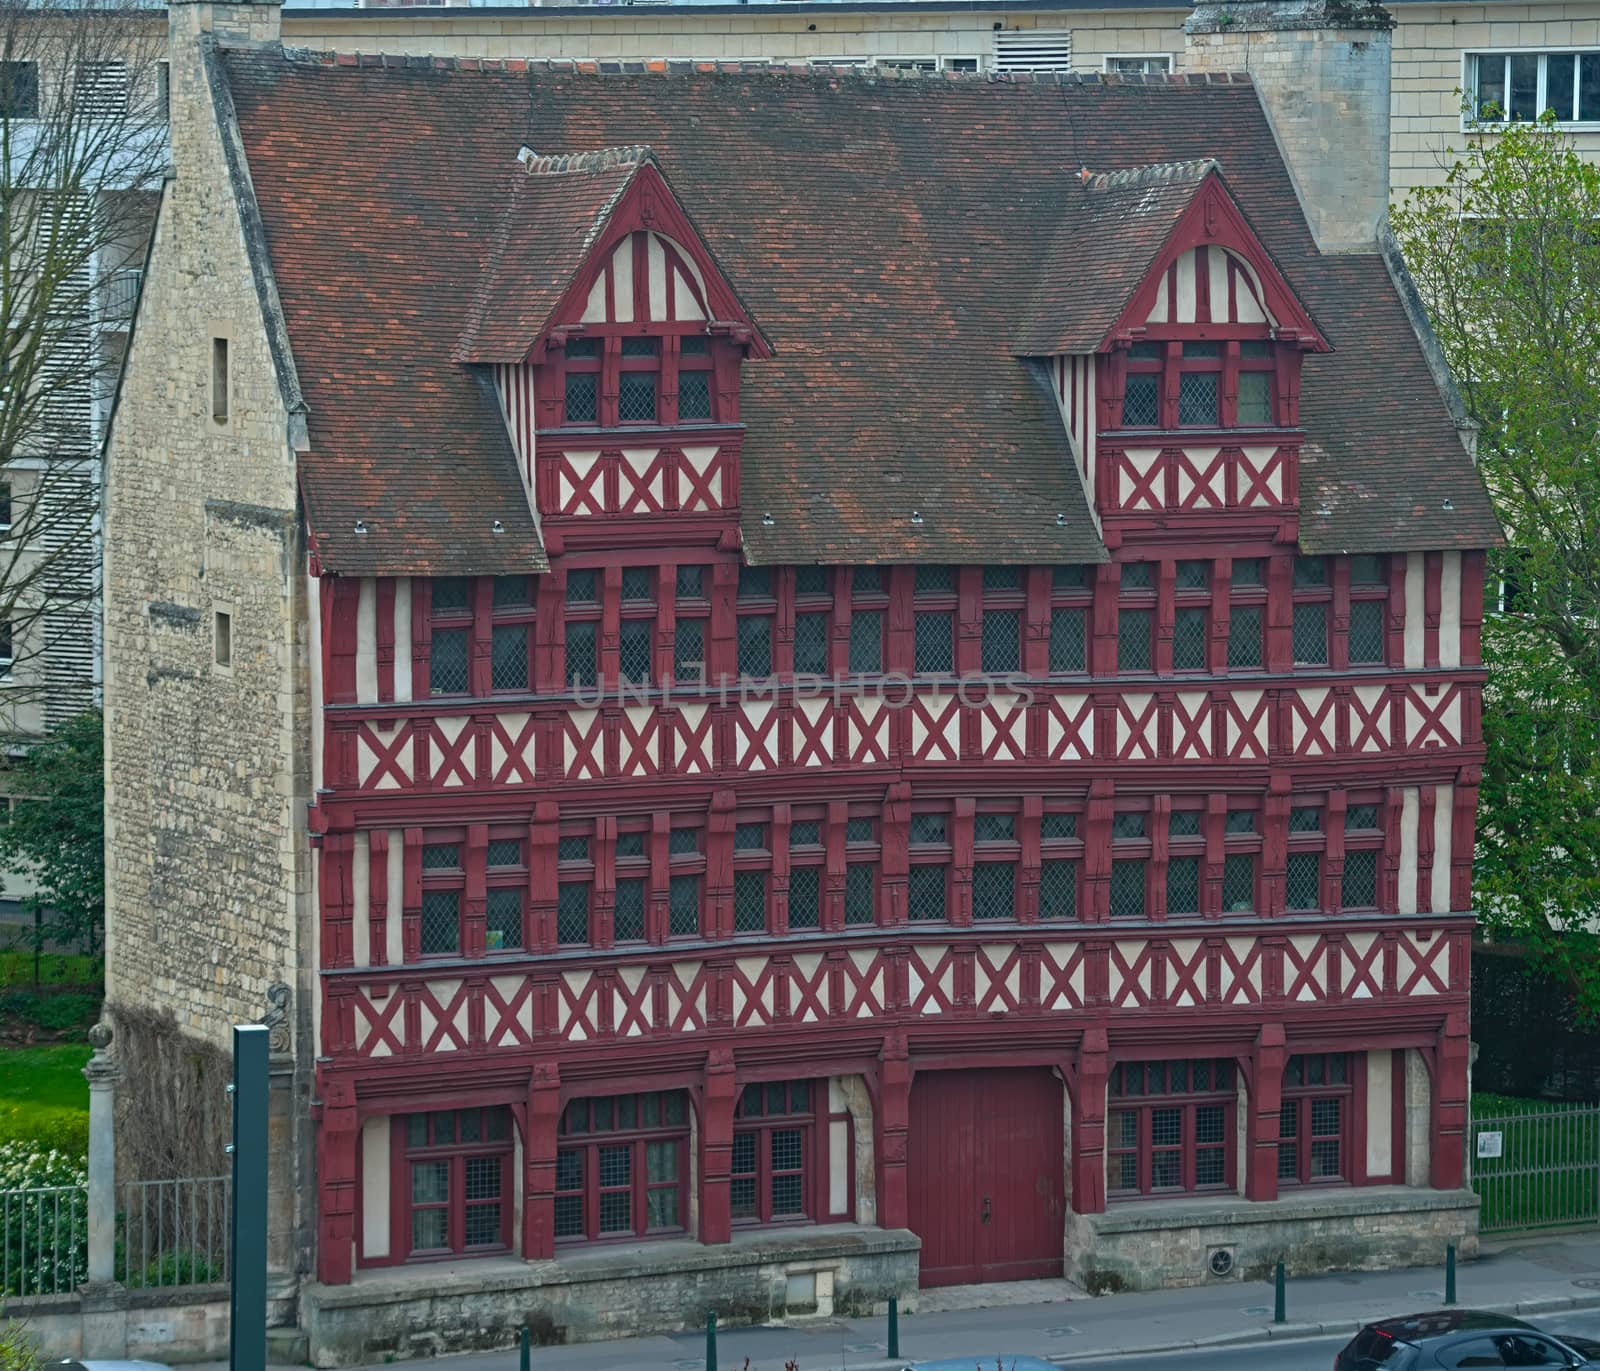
894	1327
526	1350
1449	1273
1280	1297
711	1340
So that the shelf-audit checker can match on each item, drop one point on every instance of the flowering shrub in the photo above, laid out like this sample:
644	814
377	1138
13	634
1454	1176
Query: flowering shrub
44	1205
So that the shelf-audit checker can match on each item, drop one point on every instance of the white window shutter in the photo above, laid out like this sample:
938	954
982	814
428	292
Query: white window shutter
1033	50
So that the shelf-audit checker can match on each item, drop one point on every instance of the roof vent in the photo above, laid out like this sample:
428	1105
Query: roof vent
497	527
916	517
1449	506
525	154
767	521
361	525
1061	521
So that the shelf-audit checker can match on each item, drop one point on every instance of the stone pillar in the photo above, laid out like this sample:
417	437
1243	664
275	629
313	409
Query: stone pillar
1089	1124
105	1302
894	1124
716	1147
539	1162
1266	1094
1449	1122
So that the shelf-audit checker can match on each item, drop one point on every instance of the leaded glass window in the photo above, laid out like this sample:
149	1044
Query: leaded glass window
925	893
441	922
1127	889
572	914
447	662
749	901
1133	639
633	649
1366	633
804	897
1058	889
1238	883
866	641
1189	640
1002	641
509	667
1311	635
581	666
811	644
935	644
1068	640
1303	881
1244	636
992	890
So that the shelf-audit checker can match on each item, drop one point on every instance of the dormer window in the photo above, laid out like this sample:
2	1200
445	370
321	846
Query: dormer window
583	381
1141	400
1185	385
1199	370
1255	383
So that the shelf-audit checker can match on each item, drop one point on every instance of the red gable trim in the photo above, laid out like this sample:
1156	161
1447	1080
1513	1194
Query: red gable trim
1213	218
647	204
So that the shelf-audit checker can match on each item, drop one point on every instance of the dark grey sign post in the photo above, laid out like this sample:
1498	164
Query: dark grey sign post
247	1266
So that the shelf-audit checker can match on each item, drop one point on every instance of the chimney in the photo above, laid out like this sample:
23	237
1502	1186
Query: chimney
1322	70
234	23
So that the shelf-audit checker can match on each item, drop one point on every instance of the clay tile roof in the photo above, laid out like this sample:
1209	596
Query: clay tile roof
554	209
889	235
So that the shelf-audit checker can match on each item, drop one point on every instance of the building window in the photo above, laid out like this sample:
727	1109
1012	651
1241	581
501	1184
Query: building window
930	860
1303	867
1247	608
1157	64
622	1166
219	380
507	878
686	861
1070	598
1369	596
1253	402
1242	847
1199	385
637	625
1170	1127
1191	625
5	505
757	608
1136	617
511	633
996	852
934	621
811	606
1186	850
19	90
752	863
1141	394
1130	865
805	873
450	627
457	1181
1507	86
575	891
869	605
222	638
1312	597
582	629
443	882
694	379
1060	861
1003	602
772	1172
582	381
632	877
689	634
862	853
640	370
1314	1120
1362	842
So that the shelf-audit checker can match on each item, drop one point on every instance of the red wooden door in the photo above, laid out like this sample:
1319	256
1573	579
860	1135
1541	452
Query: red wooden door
985	1172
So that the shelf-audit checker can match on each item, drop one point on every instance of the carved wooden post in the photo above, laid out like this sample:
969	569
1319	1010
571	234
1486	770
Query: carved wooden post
894	1122
1266	1093
716	1147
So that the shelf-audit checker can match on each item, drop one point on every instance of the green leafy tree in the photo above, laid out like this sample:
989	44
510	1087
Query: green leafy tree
1506	255
57	834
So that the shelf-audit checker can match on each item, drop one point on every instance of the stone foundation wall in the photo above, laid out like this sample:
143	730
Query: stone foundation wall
1151	1246
609	1293
161	1326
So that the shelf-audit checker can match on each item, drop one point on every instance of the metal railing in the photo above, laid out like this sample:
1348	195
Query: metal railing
174	1232
46	1240
1538	1169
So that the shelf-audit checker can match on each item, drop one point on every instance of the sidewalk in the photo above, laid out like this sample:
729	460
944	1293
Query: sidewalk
1536	1277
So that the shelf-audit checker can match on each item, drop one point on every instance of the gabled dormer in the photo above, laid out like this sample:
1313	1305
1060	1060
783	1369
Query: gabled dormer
1176	345
616	342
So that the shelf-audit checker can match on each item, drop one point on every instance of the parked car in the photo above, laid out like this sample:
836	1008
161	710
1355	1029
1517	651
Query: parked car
1465	1338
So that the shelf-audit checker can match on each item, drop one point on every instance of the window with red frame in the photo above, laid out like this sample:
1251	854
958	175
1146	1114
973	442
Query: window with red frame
1185	384
444	880
582	366
455	1181
638	380
1070	601
757	605
686	868
636	627
1141	393
574	889
1060	865
1363	840
774	1137
1003	601
692	607
511	633
696	393
752	870
1199	384
862	853
928	881
869	611
1313	596
1247	612
1136	615
1302	883
933	621
996	852
1130	865
506	879
1170	1127
1253	401
806	856
1186	853
582	629
1314	1120
631	894
450	635
622	1166
1241	860
1191	625
811	605
1369	598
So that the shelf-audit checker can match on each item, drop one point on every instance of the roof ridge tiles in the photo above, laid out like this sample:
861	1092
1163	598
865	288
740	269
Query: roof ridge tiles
1155	173
603	159
664	66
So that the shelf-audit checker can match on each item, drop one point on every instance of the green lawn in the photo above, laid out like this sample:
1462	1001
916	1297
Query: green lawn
43	1096
55	968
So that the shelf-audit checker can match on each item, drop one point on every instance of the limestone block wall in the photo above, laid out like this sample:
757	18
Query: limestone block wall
207	867
1429	42
914	31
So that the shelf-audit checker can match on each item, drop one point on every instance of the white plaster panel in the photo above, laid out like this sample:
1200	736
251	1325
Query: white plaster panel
1450	611
838	1166
367	641
393	930
1185	293
361	899
1415	623
1380	1112
375	1189
656	261
622	282
402	638
1409	805
1444	806
1217	281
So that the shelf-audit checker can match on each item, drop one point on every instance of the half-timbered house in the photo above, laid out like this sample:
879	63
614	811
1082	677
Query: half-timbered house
877	680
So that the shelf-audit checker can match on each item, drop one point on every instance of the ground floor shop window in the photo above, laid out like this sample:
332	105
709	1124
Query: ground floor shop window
1170	1127
622	1166
1314	1120
774	1169
456	1181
